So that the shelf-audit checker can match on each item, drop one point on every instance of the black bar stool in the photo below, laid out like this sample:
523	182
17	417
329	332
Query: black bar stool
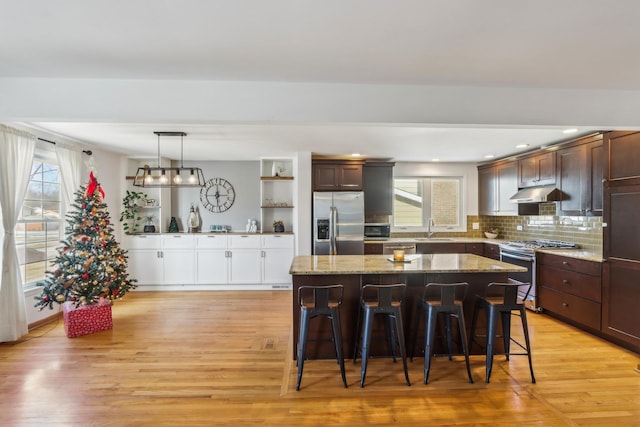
507	304
441	298
320	301
386	300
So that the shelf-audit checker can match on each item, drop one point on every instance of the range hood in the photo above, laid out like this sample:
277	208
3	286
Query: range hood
541	194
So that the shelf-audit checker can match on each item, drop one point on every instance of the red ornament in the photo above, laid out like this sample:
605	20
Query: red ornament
85	276
85	238
45	299
57	272
115	292
84	206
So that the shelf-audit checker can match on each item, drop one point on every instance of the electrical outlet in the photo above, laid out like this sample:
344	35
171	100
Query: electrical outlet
475	226
519	227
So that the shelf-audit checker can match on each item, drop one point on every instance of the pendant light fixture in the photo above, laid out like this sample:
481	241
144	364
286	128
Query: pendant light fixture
167	176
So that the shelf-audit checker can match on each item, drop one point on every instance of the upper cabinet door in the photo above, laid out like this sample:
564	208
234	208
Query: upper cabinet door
538	169
377	183
496	185
337	176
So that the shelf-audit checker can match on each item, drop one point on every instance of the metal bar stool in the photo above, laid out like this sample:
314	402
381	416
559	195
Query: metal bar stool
320	301
441	298
507	304
386	300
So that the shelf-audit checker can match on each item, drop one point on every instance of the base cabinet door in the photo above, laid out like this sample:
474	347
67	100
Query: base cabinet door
145	265
212	267
245	266
178	267
275	265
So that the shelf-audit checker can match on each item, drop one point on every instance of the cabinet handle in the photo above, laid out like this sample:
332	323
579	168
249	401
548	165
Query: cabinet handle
565	281
263	254
564	304
177	237
565	263
141	237
244	236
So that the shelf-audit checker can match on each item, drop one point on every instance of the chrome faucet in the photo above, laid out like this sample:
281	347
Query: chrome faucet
430	233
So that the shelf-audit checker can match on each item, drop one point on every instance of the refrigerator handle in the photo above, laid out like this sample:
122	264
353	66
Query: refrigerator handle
333	248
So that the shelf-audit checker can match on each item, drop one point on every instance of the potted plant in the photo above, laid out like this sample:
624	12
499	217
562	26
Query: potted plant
491	232
278	226
132	202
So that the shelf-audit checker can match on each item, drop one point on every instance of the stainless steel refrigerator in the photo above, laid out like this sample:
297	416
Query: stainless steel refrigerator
338	223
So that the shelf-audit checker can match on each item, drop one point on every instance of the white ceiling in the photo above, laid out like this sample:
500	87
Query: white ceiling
546	44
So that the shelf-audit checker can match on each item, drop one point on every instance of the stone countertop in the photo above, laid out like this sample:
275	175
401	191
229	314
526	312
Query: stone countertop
433	240
575	253
380	264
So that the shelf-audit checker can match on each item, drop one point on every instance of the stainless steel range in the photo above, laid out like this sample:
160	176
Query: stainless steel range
522	253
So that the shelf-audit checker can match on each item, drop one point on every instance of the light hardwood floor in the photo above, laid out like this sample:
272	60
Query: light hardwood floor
223	358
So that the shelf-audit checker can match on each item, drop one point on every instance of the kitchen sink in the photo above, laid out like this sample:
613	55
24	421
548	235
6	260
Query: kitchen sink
433	239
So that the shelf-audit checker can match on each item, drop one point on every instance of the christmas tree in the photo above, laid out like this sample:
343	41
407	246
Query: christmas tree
90	266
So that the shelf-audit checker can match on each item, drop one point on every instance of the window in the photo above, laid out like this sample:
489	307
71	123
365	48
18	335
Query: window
39	227
416	200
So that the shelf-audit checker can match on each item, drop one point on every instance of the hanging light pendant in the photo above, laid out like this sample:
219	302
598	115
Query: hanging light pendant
165	176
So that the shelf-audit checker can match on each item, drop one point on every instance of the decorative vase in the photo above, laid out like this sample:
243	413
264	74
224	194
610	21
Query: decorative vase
278	228
149	228
173	225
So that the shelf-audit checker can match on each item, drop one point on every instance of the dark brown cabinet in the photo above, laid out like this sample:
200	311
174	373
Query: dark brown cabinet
475	248
441	248
537	169
571	289
621	271
579	177
496	184
337	176
491	250
373	248
377	183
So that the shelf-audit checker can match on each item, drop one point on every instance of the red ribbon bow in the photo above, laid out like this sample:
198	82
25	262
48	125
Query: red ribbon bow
93	184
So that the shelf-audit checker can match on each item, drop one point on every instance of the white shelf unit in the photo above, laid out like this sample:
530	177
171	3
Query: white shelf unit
276	193
161	209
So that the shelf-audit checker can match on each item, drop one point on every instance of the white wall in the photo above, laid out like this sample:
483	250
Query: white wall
245	178
467	170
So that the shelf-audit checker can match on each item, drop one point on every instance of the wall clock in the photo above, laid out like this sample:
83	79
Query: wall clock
217	195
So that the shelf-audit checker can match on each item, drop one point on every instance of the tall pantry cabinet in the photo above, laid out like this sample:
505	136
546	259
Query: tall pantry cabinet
621	270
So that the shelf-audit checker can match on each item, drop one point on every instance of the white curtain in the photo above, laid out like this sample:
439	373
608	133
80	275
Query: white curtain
16	156
69	163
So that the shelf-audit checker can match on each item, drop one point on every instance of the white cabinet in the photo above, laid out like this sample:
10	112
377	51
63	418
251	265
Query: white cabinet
193	261
245	259
178	260
145	260
277	254
212	261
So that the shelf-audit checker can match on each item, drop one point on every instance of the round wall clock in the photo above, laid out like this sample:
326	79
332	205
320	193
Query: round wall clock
217	195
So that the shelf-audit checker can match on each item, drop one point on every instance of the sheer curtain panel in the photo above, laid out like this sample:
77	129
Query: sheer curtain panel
69	163
16	156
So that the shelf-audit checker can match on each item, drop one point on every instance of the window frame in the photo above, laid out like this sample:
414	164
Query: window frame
46	156
427	182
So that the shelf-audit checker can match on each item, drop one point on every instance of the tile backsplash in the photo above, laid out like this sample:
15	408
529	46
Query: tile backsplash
586	231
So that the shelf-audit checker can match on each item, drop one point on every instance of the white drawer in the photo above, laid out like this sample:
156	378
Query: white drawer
244	241
142	241
211	241
177	241
277	241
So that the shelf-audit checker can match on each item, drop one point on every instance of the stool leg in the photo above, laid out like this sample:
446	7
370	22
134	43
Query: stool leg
366	341
337	339
430	331
463	339
401	343
491	335
302	343
525	328
392	337
506	331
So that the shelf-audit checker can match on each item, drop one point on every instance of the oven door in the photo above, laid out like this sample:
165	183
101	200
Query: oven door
529	262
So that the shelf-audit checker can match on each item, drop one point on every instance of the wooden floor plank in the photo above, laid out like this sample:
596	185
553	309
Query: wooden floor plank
222	358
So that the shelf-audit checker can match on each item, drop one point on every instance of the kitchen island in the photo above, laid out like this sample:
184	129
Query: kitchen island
352	271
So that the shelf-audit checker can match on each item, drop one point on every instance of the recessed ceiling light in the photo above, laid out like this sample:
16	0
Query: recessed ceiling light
522	145
489	156
572	130
435	160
